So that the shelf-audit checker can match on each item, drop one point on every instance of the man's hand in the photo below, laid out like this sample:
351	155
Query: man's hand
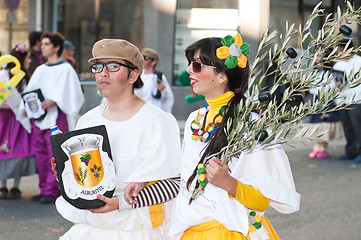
47	104
160	86
111	204
131	191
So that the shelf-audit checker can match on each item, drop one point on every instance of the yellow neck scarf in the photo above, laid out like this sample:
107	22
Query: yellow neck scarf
215	105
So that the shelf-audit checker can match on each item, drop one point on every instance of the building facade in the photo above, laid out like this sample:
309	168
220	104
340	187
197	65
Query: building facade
165	25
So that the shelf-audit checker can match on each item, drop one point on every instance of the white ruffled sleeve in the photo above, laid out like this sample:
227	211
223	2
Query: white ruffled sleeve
268	170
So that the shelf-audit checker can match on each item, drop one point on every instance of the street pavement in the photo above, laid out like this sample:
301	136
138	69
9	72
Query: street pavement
330	197
330	203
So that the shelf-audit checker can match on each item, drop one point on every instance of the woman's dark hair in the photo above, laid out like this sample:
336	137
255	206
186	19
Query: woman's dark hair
57	39
20	55
343	42
237	82
138	83
34	36
324	63
327	64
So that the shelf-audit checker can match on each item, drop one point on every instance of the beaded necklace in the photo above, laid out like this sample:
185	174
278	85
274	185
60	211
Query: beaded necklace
200	133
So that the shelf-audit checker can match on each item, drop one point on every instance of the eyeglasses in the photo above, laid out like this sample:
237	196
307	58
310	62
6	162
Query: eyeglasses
147	58
111	67
197	66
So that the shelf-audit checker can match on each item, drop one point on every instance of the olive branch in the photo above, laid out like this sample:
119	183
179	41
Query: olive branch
283	119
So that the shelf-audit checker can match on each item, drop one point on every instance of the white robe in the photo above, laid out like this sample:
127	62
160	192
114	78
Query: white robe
61	84
351	67
144	148
149	89
13	102
265	169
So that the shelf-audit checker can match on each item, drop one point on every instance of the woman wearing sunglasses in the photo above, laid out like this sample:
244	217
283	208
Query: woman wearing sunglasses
234	201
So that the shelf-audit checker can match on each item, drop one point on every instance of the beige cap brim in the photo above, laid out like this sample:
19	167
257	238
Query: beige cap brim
94	60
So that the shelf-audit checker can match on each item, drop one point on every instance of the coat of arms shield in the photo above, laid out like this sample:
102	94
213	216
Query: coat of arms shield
84	166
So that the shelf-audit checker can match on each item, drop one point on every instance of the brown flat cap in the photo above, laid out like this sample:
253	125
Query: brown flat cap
118	49
151	53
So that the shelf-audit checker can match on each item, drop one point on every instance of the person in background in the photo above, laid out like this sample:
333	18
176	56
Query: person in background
156	88
329	124
68	55
233	203
145	146
184	79
351	116
63	99
17	156
36	56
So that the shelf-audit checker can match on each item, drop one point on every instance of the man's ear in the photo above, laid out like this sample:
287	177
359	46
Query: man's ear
57	48
133	76
154	63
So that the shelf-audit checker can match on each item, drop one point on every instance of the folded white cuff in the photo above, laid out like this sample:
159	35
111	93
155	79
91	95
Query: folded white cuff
123	205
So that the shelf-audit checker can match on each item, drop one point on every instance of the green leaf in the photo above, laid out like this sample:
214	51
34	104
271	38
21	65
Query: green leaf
231	62
309	105
349	6
227	41
276	127
338	12
289	31
269	139
257	225
245	48
316	7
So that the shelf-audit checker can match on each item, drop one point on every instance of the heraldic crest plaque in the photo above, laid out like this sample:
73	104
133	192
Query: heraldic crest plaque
84	165
32	104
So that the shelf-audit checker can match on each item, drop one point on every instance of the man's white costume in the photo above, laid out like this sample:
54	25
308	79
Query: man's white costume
350	68
59	83
149	89
144	148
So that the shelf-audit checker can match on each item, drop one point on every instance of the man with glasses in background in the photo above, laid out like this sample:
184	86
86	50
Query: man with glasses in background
156	88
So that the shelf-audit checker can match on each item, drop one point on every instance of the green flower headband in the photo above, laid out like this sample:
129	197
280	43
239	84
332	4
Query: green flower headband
234	51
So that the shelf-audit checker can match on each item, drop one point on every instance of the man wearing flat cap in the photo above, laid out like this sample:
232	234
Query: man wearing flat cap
156	88
145	146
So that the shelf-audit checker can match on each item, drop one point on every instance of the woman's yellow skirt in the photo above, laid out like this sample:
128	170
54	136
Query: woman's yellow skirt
213	230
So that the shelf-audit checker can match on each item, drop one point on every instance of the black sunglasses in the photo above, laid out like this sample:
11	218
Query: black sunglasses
147	58
111	67
197	66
